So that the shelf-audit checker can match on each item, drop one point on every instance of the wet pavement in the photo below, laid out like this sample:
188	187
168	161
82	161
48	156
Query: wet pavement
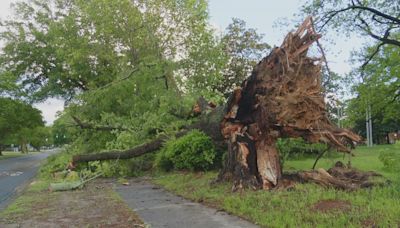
16	172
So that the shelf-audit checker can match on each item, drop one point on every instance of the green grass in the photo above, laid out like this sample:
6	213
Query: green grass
366	158
379	206
10	154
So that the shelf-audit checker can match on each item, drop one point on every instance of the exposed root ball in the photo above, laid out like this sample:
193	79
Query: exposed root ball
282	98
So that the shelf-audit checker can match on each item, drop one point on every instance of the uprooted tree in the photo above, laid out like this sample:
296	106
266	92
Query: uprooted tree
282	98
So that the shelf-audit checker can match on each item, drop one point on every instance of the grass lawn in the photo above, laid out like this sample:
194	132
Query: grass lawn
366	158
10	154
308	205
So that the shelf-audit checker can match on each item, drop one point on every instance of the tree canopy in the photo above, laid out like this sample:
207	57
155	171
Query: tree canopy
377	19
127	76
17	120
375	83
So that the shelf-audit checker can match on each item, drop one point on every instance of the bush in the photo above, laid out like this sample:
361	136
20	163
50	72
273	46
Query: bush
391	159
194	151
55	163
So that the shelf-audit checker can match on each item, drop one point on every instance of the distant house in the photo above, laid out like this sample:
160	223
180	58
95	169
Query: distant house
393	137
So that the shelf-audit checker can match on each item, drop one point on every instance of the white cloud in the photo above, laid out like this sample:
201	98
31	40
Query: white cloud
49	109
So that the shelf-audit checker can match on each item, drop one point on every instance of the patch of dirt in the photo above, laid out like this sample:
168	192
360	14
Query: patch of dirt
368	223
96	205
332	206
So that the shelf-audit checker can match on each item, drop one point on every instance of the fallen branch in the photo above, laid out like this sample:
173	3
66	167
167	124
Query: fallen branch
84	125
126	154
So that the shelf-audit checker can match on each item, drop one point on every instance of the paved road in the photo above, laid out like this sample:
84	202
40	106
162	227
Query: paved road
16	172
159	208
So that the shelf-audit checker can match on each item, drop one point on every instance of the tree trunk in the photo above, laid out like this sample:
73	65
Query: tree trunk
24	148
127	154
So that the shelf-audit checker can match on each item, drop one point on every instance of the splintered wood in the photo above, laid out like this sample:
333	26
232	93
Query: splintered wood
282	98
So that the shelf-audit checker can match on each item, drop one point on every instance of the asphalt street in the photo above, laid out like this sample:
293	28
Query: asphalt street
16	172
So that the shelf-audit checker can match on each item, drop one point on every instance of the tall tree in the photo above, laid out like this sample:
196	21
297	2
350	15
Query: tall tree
244	47
376	84
378	19
379	89
127	64
16	119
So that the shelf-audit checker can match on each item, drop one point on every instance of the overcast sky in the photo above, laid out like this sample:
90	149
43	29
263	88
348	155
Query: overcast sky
258	14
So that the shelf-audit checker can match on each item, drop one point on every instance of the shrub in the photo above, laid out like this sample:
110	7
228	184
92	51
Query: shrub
391	159
55	163
194	151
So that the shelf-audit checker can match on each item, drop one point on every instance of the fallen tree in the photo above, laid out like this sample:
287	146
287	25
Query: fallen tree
283	97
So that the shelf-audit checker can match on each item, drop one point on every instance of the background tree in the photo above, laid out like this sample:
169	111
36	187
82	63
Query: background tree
64	130
244	47
41	137
16	121
379	88
137	70
375	84
378	19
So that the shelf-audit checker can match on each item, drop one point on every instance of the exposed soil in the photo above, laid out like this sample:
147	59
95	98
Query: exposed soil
94	206
332	206
370	223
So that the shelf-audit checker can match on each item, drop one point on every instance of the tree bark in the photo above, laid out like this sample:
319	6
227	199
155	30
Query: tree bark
126	154
24	148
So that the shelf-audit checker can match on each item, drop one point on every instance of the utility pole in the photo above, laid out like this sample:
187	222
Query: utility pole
339	112
368	126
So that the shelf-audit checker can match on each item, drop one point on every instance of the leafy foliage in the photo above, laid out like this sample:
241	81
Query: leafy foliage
194	151
55	163
123	168
391	159
139	70
40	136
19	123
244	48
375	84
63	131
378	89
127	69
377	19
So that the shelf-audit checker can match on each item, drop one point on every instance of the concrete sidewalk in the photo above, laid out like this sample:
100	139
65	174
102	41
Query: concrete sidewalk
160	208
